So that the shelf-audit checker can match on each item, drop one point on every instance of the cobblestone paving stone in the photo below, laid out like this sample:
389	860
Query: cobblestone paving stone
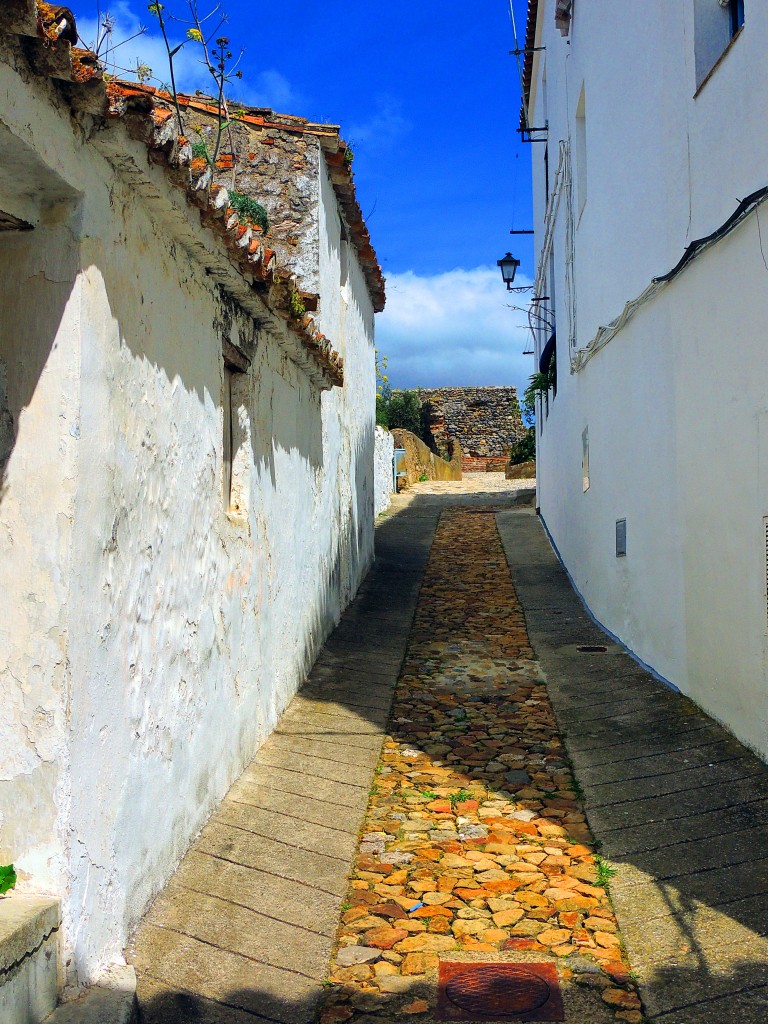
475	843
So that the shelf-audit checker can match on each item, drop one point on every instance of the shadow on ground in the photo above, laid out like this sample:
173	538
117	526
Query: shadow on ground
677	803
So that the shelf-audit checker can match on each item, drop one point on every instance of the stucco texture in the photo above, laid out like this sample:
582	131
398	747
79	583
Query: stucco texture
383	470
670	404
154	622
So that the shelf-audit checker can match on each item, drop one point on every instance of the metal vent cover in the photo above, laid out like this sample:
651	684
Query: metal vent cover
621	538
498	992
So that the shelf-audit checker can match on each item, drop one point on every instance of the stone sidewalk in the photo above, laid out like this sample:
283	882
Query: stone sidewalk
246	928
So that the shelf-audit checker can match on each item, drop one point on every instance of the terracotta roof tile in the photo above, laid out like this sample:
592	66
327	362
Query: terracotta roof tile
152	123
530	42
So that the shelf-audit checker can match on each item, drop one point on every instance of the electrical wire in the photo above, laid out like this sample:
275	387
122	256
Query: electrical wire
609	331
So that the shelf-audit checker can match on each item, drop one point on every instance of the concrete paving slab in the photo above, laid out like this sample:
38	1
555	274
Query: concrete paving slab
684	739
300	784
272	756
162	1004
238	929
645	764
320	812
309	836
329	750
750	1004
264	854
280	898
682	780
701	827
185	964
673	806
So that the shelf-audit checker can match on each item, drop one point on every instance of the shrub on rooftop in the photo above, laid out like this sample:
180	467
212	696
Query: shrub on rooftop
249	211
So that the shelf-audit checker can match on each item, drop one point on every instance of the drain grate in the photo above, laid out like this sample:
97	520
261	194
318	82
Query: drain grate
591	649
499	992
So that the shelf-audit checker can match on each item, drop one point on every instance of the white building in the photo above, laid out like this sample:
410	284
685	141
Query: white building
186	502
650	179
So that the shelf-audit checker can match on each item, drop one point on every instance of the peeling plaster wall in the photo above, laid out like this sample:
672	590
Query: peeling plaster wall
39	360
153	638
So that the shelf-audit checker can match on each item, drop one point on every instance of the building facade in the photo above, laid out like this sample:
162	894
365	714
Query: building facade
186	449
650	154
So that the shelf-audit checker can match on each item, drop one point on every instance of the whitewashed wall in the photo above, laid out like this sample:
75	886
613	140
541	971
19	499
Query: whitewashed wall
675	404
382	470
150	640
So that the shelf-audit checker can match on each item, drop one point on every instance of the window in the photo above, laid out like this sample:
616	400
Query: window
228	427
736	9
235	439
716	23
585	459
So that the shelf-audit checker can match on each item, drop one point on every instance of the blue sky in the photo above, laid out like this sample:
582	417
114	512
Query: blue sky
428	96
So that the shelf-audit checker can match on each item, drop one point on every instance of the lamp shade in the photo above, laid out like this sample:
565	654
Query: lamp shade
509	266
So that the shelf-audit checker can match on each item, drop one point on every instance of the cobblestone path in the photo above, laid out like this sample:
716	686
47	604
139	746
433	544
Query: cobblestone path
475	845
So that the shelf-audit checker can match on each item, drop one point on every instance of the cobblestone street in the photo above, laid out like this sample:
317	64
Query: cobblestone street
533	798
475	841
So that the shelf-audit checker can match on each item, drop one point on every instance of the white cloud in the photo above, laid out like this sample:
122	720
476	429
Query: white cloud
383	128
268	89
453	329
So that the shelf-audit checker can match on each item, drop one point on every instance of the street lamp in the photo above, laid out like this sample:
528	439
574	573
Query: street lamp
508	265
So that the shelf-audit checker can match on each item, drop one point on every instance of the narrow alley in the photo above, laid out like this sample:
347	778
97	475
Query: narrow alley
478	808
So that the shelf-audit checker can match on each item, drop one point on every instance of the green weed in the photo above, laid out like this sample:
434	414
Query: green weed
459	796
605	872
7	878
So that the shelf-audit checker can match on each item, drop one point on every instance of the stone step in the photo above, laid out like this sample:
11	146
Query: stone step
28	957
111	1001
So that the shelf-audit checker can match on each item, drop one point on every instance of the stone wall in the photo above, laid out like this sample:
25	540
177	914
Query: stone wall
423	464
486	422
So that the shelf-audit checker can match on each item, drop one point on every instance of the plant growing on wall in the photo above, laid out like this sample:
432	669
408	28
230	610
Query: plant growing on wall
250	212
216	56
7	878
296	307
383	390
539	385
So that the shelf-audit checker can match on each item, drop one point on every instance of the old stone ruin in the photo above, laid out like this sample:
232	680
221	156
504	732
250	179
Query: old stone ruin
485	421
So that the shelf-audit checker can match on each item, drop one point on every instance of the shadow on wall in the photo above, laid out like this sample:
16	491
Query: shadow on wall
34	295
721	872
110	355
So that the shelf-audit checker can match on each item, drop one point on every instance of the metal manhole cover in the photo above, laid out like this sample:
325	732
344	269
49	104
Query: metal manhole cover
499	992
